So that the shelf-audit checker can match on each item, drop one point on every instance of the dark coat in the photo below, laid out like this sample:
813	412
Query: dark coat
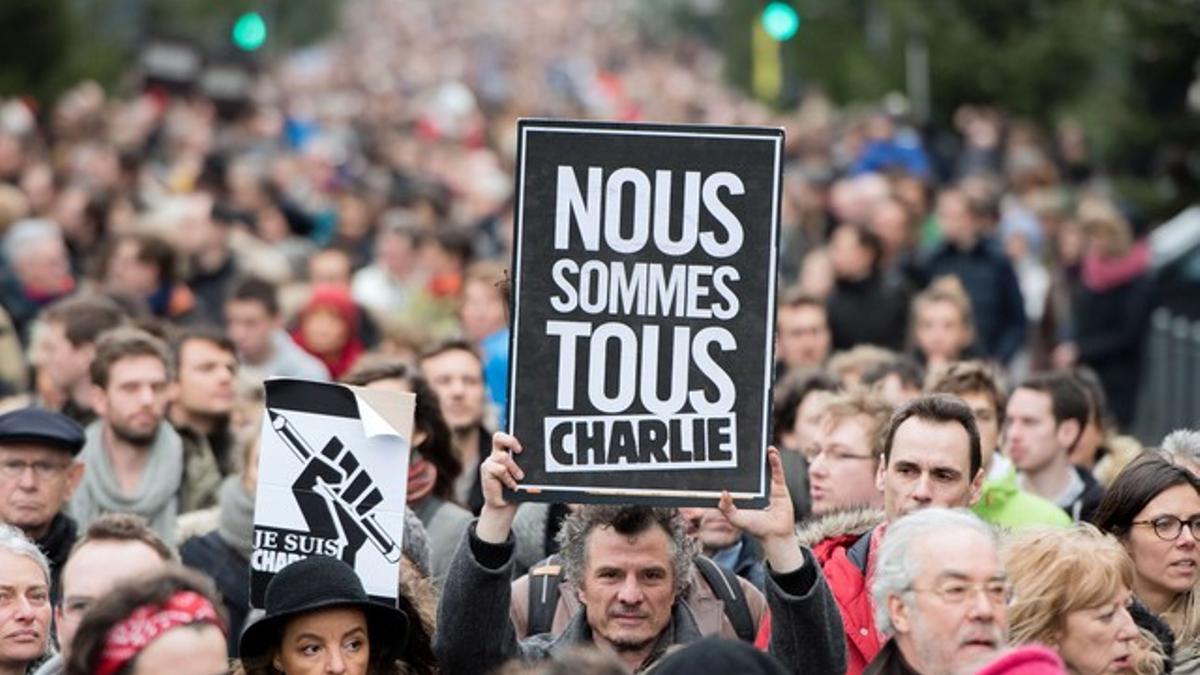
57	544
890	662
1083	509
231	573
806	632
872	311
989	280
1109	328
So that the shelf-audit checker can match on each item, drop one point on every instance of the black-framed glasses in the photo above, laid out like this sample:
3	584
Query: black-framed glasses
1169	527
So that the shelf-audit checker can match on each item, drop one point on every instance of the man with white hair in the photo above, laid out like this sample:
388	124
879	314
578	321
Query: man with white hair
24	601
37	271
940	593
1183	445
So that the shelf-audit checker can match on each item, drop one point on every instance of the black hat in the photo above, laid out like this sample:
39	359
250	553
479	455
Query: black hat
316	583
720	655
36	426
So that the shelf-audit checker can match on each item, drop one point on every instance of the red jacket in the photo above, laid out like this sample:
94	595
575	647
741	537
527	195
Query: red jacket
832	537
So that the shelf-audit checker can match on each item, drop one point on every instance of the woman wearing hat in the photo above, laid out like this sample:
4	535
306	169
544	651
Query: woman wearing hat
319	619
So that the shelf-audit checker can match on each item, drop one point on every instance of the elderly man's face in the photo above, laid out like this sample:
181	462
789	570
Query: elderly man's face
953	619
35	483
628	587
24	610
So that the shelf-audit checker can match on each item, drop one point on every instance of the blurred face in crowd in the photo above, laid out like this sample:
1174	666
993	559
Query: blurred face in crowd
206	375
457	378
808	418
397	253
802	337
329	268
127	274
954	218
92	571
942	332
324	330
711	529
1034	441
954	618
628	587
199	649
325	641
890	222
930	465
43	266
483	310
35	483
983	408
1165	566
841	466
251	327
24	611
65	364
895	391
1088	446
851	259
135	400
1100	639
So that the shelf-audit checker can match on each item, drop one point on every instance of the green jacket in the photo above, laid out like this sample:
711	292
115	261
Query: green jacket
1003	503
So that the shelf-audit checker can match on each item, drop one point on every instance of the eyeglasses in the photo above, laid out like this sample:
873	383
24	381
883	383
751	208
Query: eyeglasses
832	454
957	592
1169	527
15	468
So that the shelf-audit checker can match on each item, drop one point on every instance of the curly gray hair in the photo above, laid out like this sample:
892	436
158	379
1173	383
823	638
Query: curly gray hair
625	520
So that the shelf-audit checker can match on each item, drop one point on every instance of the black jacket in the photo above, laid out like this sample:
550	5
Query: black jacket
872	311
890	661
229	570
1109	328
1083	509
57	546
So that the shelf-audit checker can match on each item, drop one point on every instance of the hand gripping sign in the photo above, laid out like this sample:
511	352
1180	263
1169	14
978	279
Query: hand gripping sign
345	500
644	272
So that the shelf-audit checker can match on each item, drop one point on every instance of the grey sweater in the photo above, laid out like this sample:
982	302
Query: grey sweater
475	635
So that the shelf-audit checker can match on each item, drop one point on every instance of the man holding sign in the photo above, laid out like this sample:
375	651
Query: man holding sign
627	563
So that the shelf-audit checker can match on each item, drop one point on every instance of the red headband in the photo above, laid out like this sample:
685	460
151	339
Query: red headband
148	622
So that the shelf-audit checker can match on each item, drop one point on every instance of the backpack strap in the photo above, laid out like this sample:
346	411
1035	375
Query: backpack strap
727	587
544	580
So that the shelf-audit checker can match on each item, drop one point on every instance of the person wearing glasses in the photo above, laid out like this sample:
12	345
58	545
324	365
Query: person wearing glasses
940	593
929	456
37	476
1072	591
1153	509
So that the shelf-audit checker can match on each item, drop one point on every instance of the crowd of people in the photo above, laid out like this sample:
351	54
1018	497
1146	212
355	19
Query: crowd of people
959	337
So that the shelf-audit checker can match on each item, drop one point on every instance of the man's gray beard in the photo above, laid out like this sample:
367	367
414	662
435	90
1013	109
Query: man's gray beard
135	438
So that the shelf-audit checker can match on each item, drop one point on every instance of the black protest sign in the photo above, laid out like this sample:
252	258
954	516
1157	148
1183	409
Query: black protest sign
644	274
332	481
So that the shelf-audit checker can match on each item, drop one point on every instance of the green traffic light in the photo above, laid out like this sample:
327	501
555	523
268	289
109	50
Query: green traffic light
249	31
780	21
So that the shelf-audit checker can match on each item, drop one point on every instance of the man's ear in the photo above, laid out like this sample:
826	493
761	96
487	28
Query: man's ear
99	401
880	472
976	487
74	477
898	611
1068	434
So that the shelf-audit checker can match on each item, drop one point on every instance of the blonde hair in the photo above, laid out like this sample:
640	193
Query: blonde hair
1058	571
860	405
848	366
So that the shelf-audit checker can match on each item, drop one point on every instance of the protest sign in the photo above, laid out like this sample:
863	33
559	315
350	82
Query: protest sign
332	471
644	273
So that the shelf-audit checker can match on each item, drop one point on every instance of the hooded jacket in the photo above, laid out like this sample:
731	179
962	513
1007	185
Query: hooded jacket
832	538
1002	502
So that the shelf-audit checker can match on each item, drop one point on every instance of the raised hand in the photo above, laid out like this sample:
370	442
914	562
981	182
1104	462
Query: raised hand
775	526
497	472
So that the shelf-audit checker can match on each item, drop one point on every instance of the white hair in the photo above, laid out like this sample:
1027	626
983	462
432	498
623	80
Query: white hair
897	567
23	233
15	542
1183	443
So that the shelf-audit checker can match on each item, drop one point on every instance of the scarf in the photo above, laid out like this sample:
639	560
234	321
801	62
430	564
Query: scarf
156	497
422	475
235	519
1104	274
